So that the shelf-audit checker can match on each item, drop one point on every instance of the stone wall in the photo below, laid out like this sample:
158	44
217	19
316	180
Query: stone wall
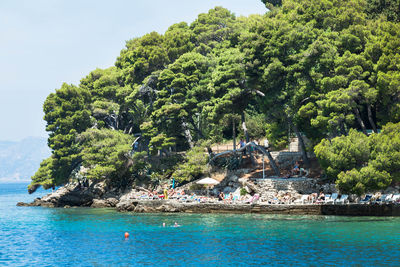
343	210
292	185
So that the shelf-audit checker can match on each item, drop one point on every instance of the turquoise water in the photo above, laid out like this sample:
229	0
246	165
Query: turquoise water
35	236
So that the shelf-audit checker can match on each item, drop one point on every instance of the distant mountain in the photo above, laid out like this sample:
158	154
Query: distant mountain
20	160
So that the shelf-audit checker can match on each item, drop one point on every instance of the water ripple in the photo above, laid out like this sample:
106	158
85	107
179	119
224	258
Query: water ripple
94	237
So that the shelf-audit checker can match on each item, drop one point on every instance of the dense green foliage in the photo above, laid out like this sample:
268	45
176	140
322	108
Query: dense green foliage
105	154
194	166
362	163
388	8
326	69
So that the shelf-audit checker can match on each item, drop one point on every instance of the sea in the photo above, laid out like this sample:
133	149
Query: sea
38	236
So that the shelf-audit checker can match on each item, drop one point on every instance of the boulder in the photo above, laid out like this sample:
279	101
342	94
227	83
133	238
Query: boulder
99	189
126	205
99	203
112	202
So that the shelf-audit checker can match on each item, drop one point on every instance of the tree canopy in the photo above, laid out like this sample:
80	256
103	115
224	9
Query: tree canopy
325	69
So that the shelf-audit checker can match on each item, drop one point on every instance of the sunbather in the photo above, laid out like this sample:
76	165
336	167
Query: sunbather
312	197
296	169
321	197
274	200
254	199
286	198
221	196
230	198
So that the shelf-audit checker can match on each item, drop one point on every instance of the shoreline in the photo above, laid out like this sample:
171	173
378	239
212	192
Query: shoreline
167	206
99	196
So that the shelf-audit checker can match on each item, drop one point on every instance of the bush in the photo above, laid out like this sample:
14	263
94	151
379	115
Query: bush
343	153
243	191
359	163
227	162
194	167
277	135
360	182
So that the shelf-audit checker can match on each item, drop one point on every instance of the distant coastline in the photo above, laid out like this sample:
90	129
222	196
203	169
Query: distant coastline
20	159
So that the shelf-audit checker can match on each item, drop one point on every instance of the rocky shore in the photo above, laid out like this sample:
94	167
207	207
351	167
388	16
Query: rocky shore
95	196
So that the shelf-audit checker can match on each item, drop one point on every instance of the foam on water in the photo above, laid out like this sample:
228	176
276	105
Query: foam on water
38	236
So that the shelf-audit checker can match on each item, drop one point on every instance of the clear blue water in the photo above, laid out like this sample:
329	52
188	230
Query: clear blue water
35	236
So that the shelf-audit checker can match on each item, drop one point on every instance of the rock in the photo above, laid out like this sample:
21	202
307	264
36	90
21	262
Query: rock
23	204
252	187
248	190
99	189
126	205
233	178
112	202
99	203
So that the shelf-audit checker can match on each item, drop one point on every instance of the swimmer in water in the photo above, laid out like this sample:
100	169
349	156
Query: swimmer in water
176	224
163	224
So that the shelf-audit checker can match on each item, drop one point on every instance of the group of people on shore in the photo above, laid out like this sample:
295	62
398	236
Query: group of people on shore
165	194
297	170
225	198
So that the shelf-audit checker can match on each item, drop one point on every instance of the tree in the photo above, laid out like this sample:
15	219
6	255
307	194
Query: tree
326	69
180	97
106	156
343	153
217	28
67	114
112	105
270	4
178	40
389	8
362	164
141	57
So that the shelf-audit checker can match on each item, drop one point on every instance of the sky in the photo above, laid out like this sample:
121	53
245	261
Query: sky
44	43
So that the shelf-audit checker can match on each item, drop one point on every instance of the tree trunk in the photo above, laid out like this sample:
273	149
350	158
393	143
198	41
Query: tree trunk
246	134
303	149
371	120
360	121
272	162
342	128
187	133
196	128
234	134
210	152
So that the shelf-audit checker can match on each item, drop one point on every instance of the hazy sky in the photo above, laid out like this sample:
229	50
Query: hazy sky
44	43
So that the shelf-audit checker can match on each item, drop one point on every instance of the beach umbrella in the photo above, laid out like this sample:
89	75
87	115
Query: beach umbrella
207	181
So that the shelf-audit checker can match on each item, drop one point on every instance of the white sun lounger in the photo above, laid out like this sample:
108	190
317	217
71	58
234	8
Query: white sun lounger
302	200
395	198
327	198
343	199
387	199
332	199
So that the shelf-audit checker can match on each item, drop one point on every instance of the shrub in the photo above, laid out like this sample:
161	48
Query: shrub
243	191
194	166
359	163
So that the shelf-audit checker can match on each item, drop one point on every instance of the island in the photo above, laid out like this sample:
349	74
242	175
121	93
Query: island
295	111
